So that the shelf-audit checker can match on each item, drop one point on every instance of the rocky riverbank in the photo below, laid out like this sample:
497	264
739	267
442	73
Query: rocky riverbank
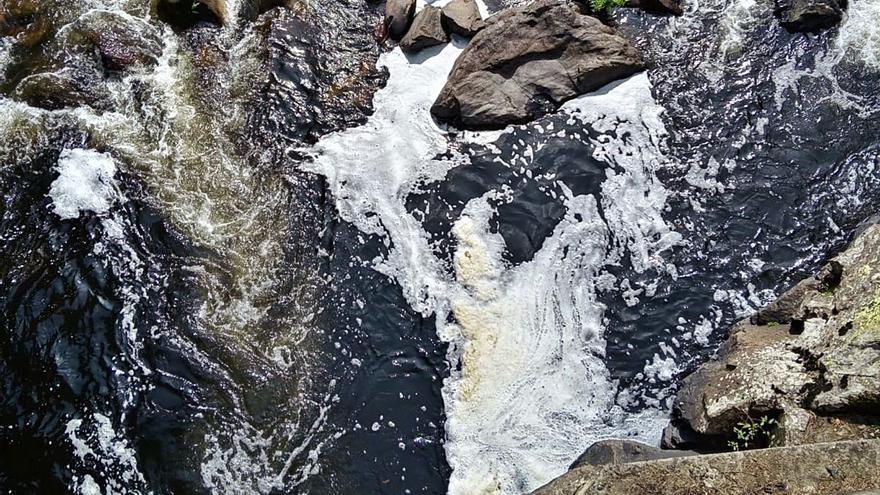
804	370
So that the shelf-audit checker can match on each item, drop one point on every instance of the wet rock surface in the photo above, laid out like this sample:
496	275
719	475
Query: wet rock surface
811	359
528	61
184	14
426	31
320	69
399	16
809	15
673	7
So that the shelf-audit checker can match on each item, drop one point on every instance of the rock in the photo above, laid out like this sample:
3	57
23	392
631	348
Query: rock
809	15
22	8
254	8
756	374
811	359
527	61
319	76
426	30
662	7
462	17
184	14
119	41
54	91
828	468
622	452
680	436
399	16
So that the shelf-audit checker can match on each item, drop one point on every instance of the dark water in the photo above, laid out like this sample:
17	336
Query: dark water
263	354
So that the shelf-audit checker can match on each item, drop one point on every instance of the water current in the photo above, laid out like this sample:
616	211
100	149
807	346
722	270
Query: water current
231	266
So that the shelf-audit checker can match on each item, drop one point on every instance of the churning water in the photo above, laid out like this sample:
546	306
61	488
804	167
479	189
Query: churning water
219	275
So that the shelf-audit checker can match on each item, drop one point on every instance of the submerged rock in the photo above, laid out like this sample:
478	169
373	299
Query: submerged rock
183	14
320	74
809	15
672	7
62	89
119	41
462	17
399	16
426	30
528	61
810	361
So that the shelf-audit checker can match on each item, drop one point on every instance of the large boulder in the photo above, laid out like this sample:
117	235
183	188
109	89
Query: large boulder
426	30
810	361
462	17
529	60
809	15
399	16
623	452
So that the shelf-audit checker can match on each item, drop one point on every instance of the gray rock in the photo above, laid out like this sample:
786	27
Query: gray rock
462	17
809	15
623	451
827	469
426	30
528	61
399	16
679	435
815	374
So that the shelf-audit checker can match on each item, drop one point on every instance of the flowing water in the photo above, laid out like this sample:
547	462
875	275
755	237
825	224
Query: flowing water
229	267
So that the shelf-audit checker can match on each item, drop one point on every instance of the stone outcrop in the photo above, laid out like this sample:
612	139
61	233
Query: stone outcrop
810	360
821	469
462	17
426	31
622	452
809	15
398	17
529	60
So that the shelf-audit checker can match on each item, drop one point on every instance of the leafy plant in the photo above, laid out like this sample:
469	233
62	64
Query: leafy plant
195	6
606	5
752	433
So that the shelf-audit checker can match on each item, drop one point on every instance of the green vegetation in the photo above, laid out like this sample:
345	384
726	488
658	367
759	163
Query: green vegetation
752	434
772	323
606	5
195	6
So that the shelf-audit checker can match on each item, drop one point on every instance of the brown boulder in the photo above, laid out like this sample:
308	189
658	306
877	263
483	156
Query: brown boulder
462	17
399	16
528	61
426	30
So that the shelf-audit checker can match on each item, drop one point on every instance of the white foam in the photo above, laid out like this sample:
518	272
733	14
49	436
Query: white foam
85	183
100	449
859	36
533	390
